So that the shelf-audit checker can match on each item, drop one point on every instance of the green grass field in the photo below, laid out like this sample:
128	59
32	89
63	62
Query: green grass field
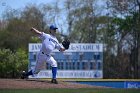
85	90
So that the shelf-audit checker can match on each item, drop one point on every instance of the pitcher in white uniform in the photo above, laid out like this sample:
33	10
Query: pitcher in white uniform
49	43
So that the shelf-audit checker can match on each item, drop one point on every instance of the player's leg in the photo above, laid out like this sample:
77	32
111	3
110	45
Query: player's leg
39	66
54	69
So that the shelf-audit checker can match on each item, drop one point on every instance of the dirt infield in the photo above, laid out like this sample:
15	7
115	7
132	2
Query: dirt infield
40	84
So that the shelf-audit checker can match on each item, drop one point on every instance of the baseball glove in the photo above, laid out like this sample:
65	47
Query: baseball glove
66	43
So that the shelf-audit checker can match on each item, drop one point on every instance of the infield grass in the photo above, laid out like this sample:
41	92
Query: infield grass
85	90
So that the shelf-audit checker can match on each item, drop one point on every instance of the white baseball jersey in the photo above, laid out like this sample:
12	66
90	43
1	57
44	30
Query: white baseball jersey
49	43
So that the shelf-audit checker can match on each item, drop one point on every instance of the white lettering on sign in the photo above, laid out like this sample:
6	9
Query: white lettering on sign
74	47
133	85
70	74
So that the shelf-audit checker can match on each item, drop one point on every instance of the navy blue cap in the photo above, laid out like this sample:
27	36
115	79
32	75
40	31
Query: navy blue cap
53	27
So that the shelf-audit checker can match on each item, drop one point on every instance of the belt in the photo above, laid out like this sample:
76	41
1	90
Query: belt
45	54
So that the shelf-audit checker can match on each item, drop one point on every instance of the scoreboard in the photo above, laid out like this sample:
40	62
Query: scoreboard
81	60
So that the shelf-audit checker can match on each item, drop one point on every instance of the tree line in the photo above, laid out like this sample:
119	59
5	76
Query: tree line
117	28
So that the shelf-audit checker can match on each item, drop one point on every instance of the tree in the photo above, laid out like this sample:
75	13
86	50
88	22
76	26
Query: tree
81	20
127	31
11	64
33	16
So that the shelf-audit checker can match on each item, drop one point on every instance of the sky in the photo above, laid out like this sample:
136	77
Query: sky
20	4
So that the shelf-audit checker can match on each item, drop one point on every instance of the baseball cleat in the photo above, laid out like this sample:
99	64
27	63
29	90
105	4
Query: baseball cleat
23	75
54	81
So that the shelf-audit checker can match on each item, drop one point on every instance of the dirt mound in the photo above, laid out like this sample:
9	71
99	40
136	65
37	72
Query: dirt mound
40	84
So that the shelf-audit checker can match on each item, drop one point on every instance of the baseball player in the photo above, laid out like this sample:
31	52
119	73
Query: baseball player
49	43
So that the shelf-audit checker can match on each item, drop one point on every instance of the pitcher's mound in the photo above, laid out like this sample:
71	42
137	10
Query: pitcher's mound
41	84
